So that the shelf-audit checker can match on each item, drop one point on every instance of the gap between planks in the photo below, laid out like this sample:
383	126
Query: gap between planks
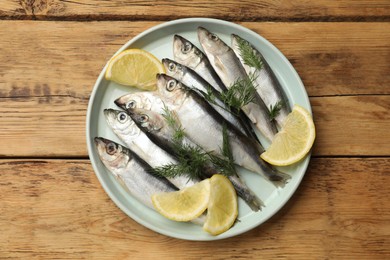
108	18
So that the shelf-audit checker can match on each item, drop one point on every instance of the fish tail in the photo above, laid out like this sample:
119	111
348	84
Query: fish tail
278	178
252	201
246	194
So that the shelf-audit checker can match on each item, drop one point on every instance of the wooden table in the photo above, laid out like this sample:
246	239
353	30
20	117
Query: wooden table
53	206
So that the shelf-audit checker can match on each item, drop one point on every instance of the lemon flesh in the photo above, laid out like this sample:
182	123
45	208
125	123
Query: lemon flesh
222	209
134	67
293	141
185	204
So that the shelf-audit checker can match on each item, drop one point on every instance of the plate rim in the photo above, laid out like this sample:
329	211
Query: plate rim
304	163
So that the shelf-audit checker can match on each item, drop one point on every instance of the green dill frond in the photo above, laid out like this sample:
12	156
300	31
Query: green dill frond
192	159
241	93
169	117
226	164
248	55
178	135
275	109
173	123
167	171
209	95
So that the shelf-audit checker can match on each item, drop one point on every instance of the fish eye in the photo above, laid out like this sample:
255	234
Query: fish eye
143	118
187	47
122	117
171	66
214	37
111	148
131	104
171	85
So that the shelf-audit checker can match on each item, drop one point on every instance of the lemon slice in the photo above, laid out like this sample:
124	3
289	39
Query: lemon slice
183	205
293	141
136	68
222	210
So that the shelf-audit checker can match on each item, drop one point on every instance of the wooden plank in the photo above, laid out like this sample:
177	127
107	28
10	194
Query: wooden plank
352	125
167	10
57	209
43	126
54	126
67	57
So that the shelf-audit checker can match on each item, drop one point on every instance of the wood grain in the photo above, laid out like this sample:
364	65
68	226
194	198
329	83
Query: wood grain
54	126
247	10
67	57
52	204
45	126
57	209
45	84
356	126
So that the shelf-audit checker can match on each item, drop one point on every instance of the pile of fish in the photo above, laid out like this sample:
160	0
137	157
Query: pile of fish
144	130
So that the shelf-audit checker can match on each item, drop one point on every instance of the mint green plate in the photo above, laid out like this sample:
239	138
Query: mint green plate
159	40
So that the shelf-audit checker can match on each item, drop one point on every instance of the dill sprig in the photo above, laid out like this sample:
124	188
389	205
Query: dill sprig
240	93
275	109
192	159
172	121
209	95
170	170
248	55
226	164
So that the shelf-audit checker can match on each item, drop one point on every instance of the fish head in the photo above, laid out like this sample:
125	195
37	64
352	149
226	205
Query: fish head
147	120
173	68
113	155
185	52
211	43
121	123
170	89
146	100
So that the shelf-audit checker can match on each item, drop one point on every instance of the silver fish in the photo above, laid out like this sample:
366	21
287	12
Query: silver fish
189	55
230	70
203	125
190	78
131	171
157	128
125	128
268	86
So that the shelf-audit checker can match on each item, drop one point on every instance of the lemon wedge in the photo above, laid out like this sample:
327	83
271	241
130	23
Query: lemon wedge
185	204
222	209
293	141
136	68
